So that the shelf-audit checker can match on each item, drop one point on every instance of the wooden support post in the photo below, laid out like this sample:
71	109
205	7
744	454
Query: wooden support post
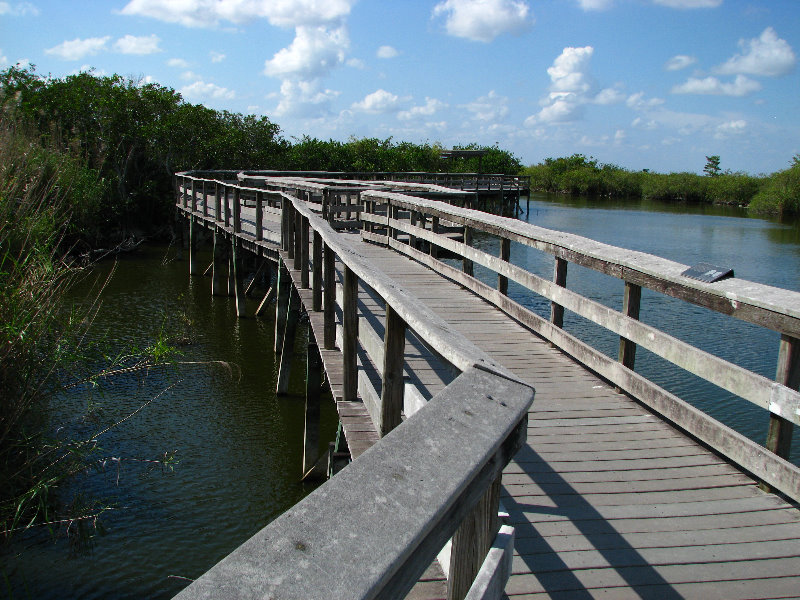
433	249
238	278
304	259
259	216
779	436
287	353
467	264
560	279
298	241
394	341
282	304
218	281
472	541
194	265
217	202
329	292
313	385
505	254
630	307
316	279
262	307
350	335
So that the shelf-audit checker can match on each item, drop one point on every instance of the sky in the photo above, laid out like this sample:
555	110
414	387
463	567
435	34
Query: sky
643	84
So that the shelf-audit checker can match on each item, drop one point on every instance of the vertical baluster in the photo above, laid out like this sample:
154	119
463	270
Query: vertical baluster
467	264
779	436
393	360
434	249
316	275
350	335
329	303
505	255
630	307
560	279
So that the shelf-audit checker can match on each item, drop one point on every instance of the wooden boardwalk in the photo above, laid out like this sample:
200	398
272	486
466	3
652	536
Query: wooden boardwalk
607	499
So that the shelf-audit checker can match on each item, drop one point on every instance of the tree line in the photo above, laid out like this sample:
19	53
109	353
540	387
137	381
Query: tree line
778	193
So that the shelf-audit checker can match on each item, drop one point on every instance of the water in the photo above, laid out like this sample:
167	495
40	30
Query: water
240	447
765	251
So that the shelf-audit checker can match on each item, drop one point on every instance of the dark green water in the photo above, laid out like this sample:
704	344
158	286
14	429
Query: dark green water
240	447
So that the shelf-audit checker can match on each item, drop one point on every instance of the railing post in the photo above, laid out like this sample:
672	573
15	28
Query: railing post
350	335
316	275
433	249
505	255
412	239
779	436
472	541
560	279
259	216
226	206
205	198
329	303
630	308
393	360
297	233
193	197
304	259
237	212
217	202
467	264
285	218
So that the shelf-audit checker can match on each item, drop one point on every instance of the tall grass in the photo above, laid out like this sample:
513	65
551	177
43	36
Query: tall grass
36	187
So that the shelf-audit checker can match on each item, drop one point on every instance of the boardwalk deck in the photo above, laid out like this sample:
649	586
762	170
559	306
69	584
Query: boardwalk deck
607	498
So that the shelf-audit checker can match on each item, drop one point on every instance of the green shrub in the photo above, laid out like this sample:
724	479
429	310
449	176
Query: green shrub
780	193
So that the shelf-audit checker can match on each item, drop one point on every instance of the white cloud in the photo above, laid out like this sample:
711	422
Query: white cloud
689	3
379	101
619	136
491	108
200	90
680	61
571	83
314	52
483	20
741	86
431	106
216	57
20	9
609	96
595	4
386	52
190	76
131	44
729	128
209	13
766	55
178	63
637	102
76	49
356	63
304	99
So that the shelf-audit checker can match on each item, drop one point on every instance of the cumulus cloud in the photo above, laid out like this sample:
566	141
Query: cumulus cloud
18	9
767	55
200	90
178	63
313	53
304	99
77	49
680	61
386	52
637	101
570	87
431	106
729	128
131	44
609	96
379	102
216	57
741	86
209	13
483	20
491	107
689	3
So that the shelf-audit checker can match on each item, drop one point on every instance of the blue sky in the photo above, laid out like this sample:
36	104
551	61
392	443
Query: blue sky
655	84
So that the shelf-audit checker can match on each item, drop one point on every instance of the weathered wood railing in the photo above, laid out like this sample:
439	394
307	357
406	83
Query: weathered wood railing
402	222
371	531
